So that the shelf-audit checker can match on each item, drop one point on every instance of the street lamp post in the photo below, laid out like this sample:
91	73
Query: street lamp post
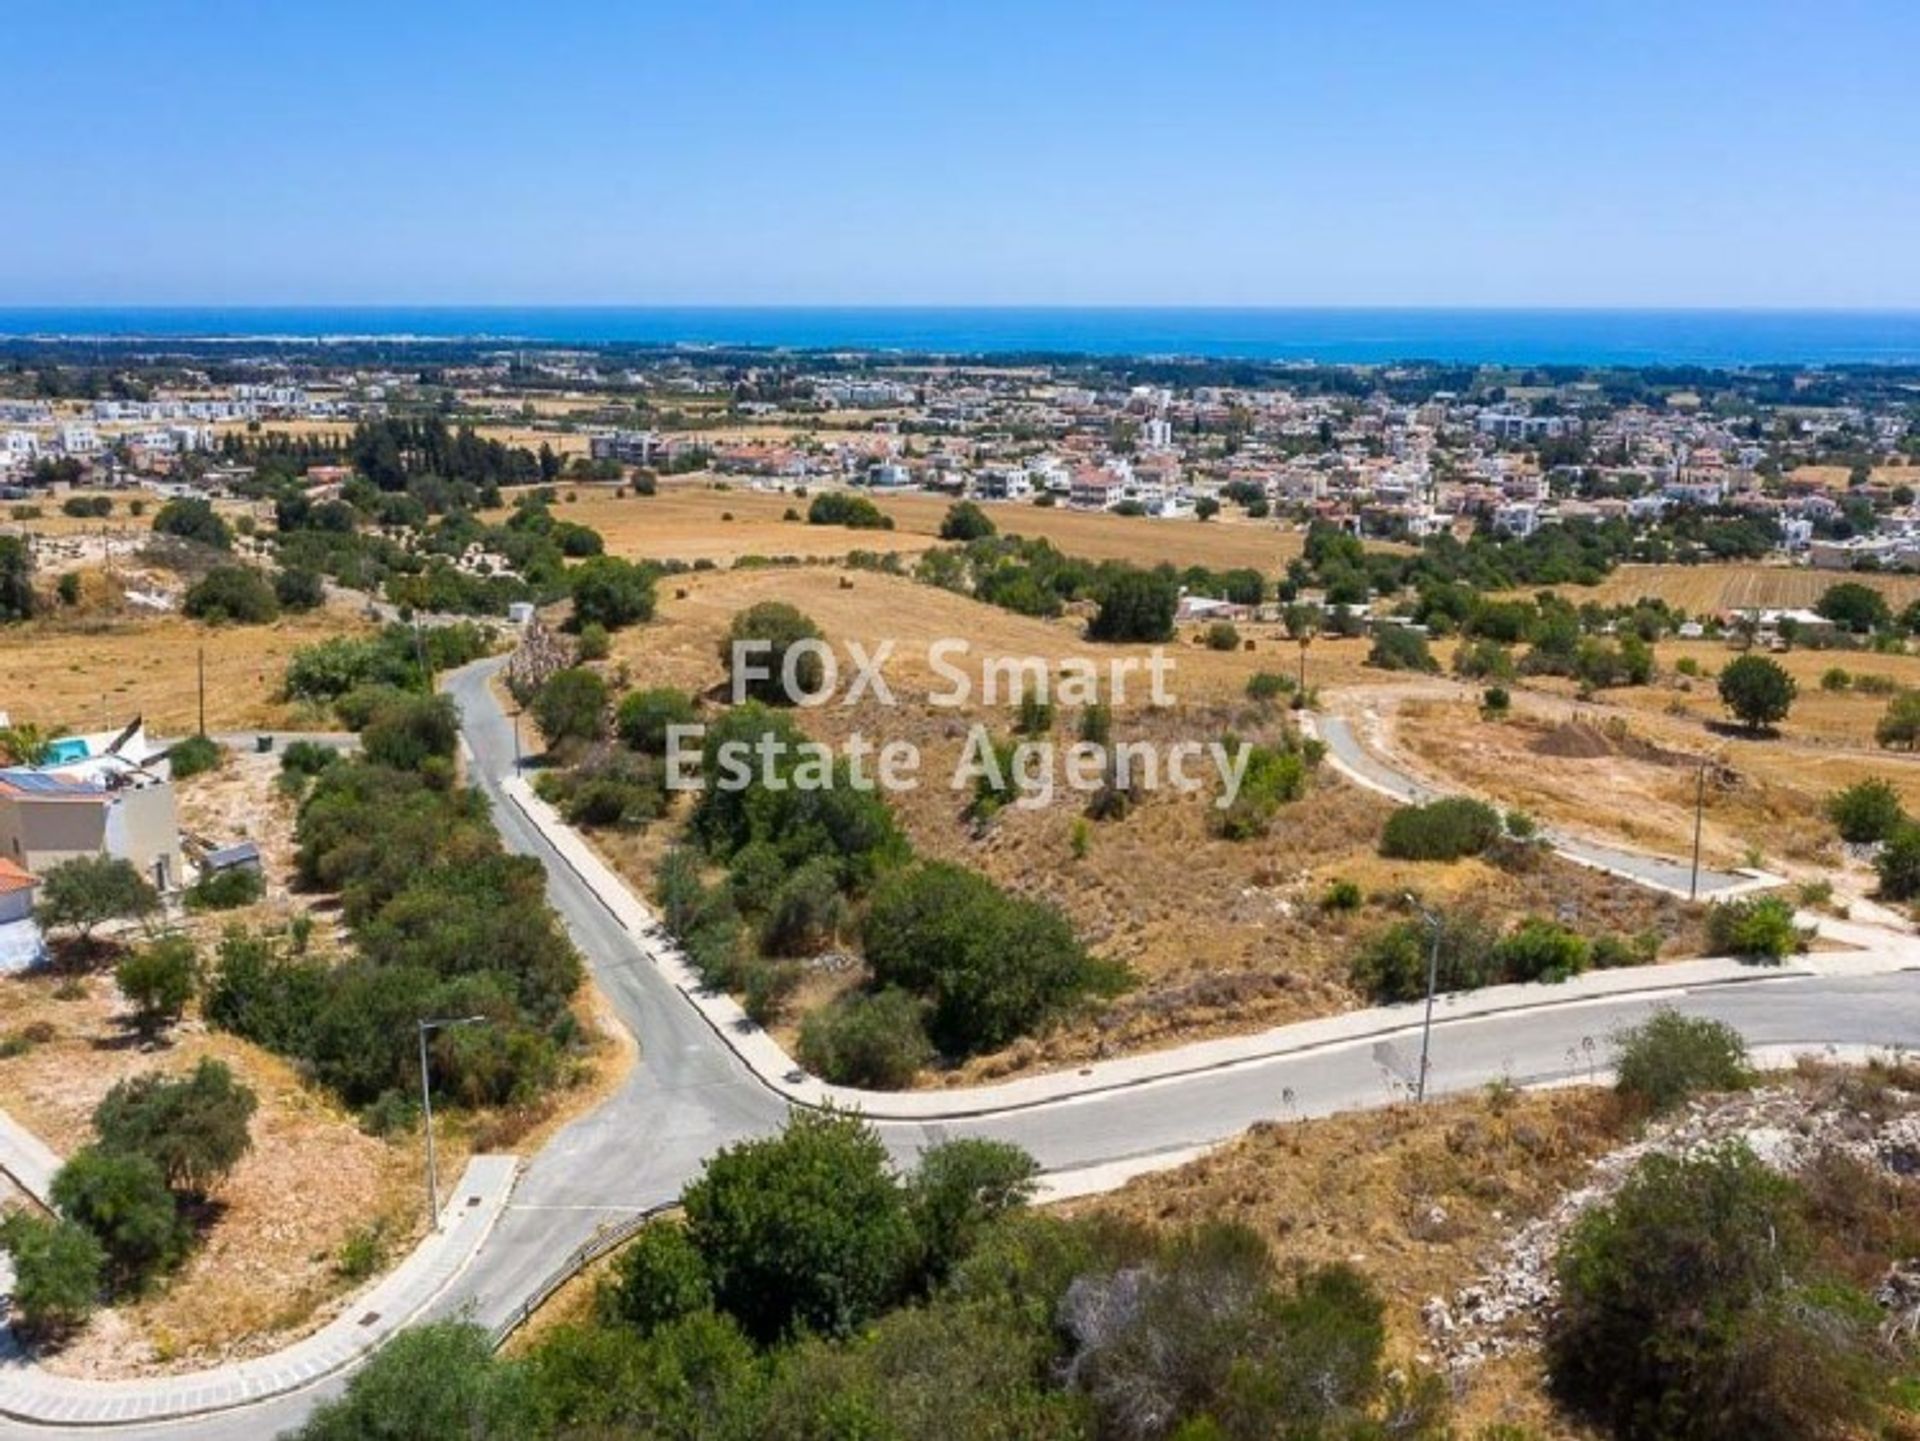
426	1106
516	742
1699	811
1433	981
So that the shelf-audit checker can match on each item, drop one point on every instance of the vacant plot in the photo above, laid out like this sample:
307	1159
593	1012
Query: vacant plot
1223	935
93	674
1421	1199
1708	589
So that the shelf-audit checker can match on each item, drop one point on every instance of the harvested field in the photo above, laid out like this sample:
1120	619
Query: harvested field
1707	589
684	522
88	675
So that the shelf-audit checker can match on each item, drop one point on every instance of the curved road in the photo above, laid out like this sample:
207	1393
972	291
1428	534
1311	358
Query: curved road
689	1095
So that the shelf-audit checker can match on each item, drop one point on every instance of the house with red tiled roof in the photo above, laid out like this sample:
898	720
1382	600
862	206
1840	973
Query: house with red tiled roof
21	944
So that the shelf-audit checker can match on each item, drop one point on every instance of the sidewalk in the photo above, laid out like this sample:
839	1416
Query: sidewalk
1883	952
26	1160
28	1393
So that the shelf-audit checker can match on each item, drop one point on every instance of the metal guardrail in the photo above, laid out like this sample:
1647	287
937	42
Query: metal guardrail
603	1240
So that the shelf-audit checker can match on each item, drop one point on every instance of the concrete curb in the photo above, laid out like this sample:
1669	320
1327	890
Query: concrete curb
30	1394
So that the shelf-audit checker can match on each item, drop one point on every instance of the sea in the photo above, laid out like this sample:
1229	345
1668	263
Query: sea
1718	338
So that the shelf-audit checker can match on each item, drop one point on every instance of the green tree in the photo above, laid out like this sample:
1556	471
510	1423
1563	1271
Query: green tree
870	1039
297	588
123	1200
158	978
437	1382
992	966
804	1230
657	1278
56	1271
1401	647
611	592
957	1190
1866	811
571	705
89	891
1135	605
1898	863
1757	690
644	716
755	653
408	731
1855	607
965	521
194	520
194	1128
17	600
236	593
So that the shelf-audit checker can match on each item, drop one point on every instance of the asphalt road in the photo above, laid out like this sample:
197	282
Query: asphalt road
689	1095
1672	875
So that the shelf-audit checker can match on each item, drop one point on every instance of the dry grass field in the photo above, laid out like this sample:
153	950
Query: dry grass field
1706	589
1223	935
1419	1199
91	674
687	521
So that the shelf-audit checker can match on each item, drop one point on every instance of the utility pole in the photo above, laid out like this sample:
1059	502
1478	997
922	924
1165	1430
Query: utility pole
426	1109
203	690
1433	984
1699	812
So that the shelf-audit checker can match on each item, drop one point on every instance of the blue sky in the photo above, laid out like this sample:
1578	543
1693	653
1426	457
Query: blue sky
1717	153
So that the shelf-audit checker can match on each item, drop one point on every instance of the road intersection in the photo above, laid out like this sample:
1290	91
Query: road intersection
700	1084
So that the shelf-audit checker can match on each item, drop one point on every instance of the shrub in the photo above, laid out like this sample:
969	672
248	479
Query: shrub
1341	895
226	890
195	1128
965	521
756	648
1836	678
992	966
122	1198
1899	728
1899	863
194	520
657	1278
299	589
1866	812
158	978
408	732
1753	928
196	755
1495	700
874	1041
307	758
1757	690
594	642
1273	778
56	1271
1267	685
571	705
1669	1058
236	593
1539	950
1223	635
806	1229
611	593
1690	1308
853	511
1401	647
806	912
433	1382
1442	830
1391	964
957	1190
644	715
1034	716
